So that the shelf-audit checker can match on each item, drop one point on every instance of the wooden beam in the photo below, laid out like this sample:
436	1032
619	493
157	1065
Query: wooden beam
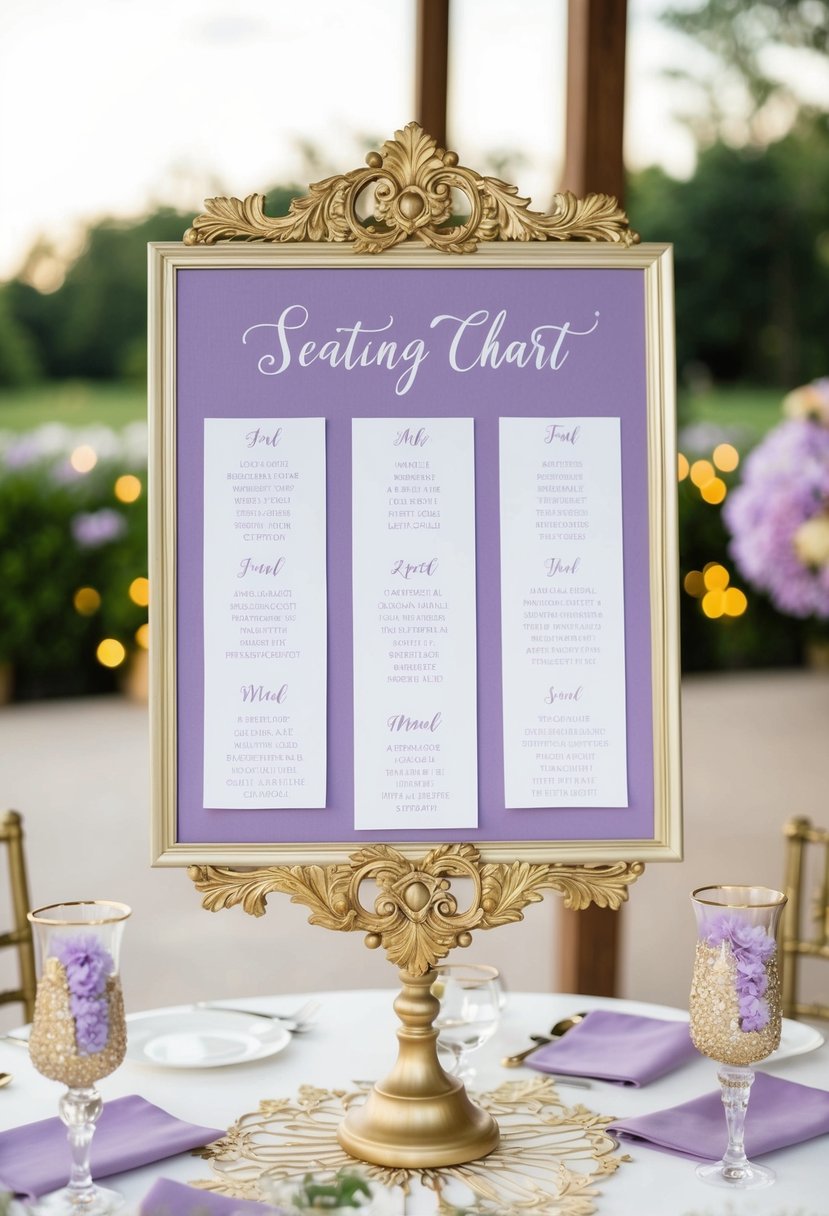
596	35
432	67
588	960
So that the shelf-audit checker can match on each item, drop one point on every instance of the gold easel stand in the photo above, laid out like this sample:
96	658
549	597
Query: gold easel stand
419	1113
419	1116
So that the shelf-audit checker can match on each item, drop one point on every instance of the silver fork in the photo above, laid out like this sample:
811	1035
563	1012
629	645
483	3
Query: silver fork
297	1022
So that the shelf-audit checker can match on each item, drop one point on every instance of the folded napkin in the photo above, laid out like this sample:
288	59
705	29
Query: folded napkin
779	1113
34	1158
175	1199
619	1047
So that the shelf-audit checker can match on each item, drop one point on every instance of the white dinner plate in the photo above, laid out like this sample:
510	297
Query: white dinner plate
202	1038
796	1038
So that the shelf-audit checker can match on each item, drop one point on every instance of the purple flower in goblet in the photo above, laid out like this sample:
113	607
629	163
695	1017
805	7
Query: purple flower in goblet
87	964
754	1012
751	947
91	1023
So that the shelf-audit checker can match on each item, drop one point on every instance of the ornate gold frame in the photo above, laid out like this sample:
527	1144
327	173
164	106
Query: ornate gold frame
419	1116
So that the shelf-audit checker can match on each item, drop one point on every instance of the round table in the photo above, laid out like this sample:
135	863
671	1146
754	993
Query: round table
353	1039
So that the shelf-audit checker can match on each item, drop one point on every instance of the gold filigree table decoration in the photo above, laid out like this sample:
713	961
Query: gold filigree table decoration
548	1162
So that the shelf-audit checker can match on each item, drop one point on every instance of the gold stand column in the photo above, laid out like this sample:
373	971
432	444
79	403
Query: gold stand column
419	1113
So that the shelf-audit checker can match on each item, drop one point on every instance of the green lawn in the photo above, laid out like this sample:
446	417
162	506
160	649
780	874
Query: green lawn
753	410
74	403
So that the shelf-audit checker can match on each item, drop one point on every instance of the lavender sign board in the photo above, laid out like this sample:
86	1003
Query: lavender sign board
413	553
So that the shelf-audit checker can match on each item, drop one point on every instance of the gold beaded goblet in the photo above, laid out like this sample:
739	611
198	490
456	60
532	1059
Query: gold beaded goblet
79	1033
735	1008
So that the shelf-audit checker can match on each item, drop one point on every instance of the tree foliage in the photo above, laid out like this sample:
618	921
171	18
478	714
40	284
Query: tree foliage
94	325
740	36
751	237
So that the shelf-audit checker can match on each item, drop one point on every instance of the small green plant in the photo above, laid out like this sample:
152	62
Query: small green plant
343	1191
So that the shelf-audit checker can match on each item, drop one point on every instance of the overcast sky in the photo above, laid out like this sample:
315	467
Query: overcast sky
111	106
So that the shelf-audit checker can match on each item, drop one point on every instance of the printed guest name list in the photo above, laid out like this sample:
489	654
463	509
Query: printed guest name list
415	701
562	613
264	613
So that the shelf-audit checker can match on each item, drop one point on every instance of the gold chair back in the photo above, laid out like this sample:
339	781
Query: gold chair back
805	929
20	937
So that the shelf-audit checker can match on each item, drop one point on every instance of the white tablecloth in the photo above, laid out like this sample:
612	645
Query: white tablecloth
353	1039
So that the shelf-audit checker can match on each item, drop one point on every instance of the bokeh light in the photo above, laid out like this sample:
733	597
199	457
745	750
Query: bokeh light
682	466
86	600
140	592
694	583
128	488
110	653
735	602
713	604
726	457
83	459
715	577
142	636
702	471
714	491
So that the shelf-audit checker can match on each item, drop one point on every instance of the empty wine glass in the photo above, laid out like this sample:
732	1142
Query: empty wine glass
469	997
735	1008
79	1032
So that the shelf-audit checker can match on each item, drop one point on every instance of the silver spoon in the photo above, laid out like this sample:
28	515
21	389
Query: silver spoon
556	1032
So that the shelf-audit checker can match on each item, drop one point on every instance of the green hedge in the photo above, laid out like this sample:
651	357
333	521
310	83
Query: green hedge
760	636
63	530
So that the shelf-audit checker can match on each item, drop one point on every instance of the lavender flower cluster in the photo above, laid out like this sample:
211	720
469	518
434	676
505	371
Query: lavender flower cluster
785	483
88	966
752	947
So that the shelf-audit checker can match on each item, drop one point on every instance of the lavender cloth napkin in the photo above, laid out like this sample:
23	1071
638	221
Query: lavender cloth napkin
779	1113
34	1158
619	1047
167	1198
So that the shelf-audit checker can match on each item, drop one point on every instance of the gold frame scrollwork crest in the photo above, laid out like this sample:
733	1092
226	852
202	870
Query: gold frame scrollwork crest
413	181
417	918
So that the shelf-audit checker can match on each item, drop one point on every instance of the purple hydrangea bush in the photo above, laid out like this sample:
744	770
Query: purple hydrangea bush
778	517
88	965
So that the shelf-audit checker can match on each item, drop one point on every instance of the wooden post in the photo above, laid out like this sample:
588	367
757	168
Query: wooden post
596	35
432	67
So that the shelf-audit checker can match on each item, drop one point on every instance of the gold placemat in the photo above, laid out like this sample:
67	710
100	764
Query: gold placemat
548	1161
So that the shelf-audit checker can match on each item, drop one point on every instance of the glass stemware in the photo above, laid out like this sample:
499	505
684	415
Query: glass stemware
79	1032
470	1007
735	1008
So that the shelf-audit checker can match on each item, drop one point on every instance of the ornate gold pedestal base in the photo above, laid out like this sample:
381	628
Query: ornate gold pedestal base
419	1116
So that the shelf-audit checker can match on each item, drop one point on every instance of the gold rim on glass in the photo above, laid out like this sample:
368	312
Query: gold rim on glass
37	918
713	903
